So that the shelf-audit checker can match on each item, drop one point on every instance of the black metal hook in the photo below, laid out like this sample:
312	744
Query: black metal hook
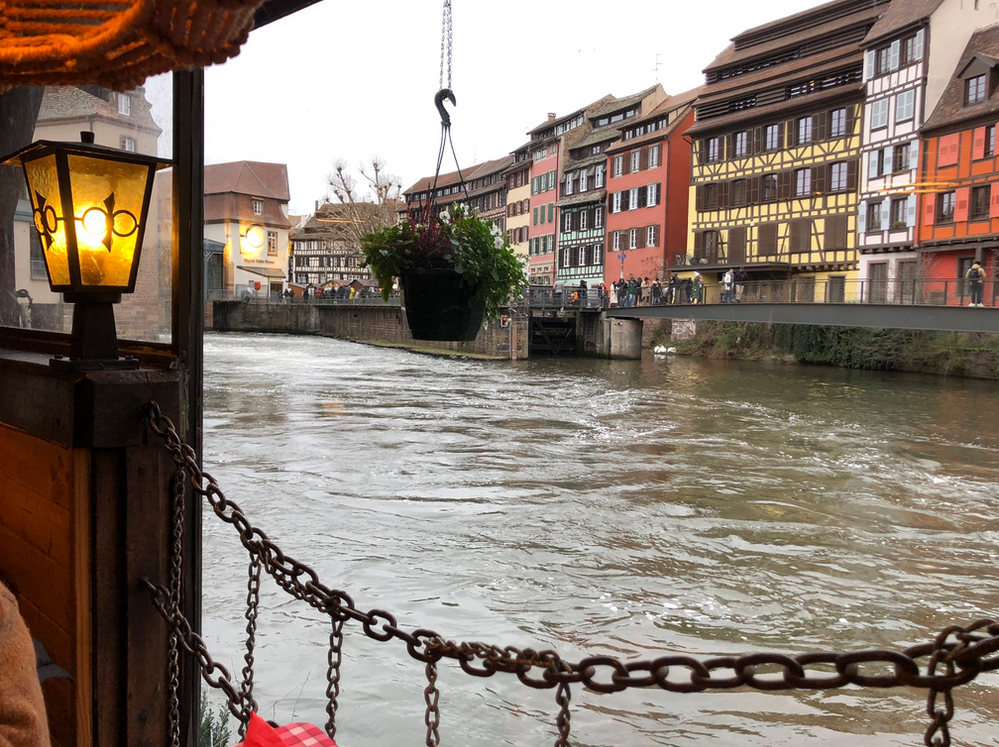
445	94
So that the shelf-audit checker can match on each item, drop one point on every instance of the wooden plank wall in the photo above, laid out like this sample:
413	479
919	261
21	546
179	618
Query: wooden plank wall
44	526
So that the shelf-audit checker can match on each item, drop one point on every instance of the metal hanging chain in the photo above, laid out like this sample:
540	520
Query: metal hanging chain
248	704
432	718
446	45
965	652
334	658
176	580
562	696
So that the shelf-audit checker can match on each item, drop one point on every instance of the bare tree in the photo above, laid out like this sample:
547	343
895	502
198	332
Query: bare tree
370	203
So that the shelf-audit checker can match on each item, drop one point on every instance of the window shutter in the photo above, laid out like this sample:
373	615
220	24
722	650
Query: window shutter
851	175
886	164
885	214
784	185
753	190
551	212
850	116
917	48
896	51
978	143
948	148
994	200
822	126
640	238
862	216
643	160
869	65
910	211
961	197
914	155
819	179
699	197
791	128
642	196
929	209
780	135
698	240
872	164
723	195
757	140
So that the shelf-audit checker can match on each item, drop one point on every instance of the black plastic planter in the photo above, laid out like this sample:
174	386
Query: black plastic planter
439	306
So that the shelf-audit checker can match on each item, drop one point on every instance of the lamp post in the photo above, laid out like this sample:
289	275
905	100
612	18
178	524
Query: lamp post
89	205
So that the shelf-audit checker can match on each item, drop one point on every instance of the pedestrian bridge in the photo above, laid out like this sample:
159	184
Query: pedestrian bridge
918	303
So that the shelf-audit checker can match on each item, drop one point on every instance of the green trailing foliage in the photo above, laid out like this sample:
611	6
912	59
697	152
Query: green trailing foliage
952	353
456	238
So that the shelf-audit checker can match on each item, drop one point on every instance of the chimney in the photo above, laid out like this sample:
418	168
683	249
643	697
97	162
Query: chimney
317	206
551	116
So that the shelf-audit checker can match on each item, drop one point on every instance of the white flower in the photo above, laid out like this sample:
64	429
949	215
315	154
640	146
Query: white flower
498	241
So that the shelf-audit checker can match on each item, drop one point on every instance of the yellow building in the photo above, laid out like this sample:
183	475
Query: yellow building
777	145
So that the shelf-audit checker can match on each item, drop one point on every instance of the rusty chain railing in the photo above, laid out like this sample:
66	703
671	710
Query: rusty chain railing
955	657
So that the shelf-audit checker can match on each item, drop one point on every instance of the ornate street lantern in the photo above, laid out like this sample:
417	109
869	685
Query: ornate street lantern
89	205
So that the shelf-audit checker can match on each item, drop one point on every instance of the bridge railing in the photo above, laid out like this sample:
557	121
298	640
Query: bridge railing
568	297
908	291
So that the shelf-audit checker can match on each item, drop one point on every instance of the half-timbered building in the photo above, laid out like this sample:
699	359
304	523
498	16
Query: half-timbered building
777	149
649	176
444	190
583	198
959	211
905	76
326	250
487	190
518	201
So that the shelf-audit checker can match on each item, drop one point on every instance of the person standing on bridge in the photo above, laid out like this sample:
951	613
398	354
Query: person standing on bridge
728	283
976	283
741	278
557	287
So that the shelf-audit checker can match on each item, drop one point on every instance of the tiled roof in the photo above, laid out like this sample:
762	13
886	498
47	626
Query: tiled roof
496	166
950	110
599	135
683	101
93	102
585	110
900	15
597	195
426	183
811	28
623	103
253	178
811	102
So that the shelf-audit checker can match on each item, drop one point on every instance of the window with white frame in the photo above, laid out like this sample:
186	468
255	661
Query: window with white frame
651	235
879	114
618	165
653	156
772	139
583	220
616	202
598	218
124	105
272	247
804	130
128	144
714	148
636	161
741	144
905	105
598	176
617	241
258	207
652	195
567	222
837	177
568	184
583	179
633	198
837	123
581	256
974	90
803	182
633	238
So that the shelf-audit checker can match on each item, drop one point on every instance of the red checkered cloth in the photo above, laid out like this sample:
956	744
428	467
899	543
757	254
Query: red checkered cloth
261	734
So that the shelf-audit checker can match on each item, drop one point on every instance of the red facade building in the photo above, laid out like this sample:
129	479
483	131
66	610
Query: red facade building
648	191
959	209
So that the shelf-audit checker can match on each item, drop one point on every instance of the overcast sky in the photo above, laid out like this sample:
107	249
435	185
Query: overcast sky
354	80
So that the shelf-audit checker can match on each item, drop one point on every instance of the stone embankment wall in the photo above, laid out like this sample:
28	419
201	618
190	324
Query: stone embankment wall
374	324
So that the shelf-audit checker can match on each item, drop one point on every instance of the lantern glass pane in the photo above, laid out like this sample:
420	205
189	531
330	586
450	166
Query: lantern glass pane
107	202
47	218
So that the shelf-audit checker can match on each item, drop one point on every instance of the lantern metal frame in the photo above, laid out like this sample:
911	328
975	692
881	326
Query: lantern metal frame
94	340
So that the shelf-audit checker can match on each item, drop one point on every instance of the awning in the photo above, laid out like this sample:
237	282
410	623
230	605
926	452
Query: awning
267	272
117	44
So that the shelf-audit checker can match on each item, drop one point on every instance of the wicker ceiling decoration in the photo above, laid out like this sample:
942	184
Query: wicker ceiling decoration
116	44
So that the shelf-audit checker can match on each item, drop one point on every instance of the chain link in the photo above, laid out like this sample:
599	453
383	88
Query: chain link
432	718
176	582
334	657
446	45
248	704
961	653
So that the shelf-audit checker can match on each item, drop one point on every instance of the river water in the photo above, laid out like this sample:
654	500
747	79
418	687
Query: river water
630	508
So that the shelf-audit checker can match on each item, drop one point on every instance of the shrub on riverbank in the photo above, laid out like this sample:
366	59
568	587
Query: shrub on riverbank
952	353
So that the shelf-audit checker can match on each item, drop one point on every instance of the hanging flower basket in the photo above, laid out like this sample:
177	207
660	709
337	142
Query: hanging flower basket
454	267
441	306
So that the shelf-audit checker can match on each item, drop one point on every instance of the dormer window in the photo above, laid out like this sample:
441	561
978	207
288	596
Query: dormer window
124	104
258	207
974	90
